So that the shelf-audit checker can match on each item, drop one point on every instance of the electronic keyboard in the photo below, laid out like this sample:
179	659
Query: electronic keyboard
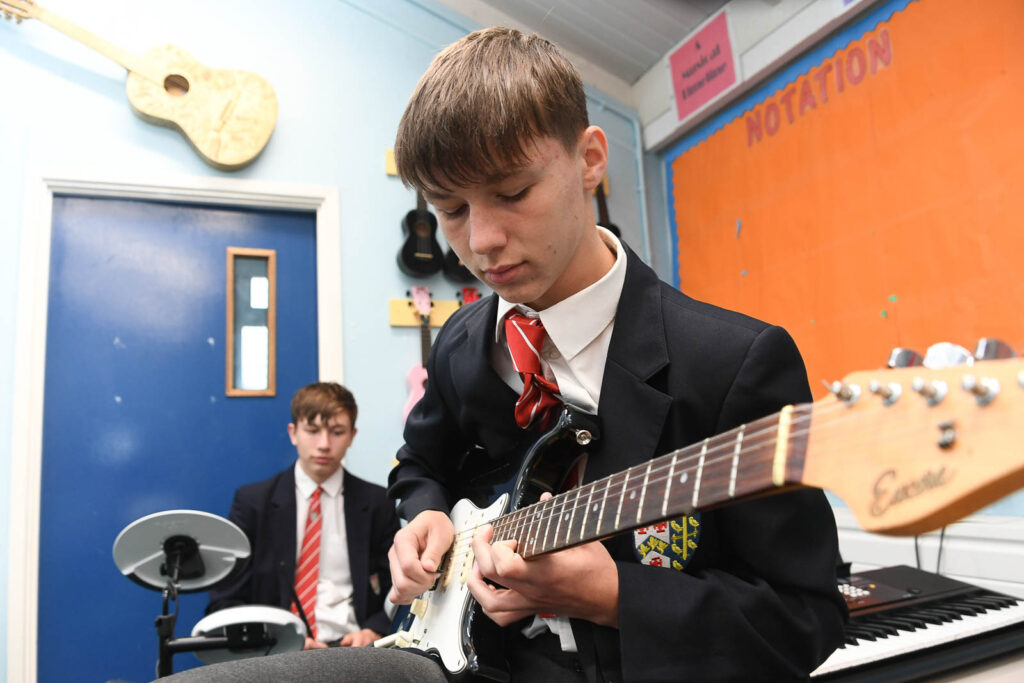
906	623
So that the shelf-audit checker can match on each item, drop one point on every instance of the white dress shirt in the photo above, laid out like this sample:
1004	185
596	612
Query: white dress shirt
335	612
573	355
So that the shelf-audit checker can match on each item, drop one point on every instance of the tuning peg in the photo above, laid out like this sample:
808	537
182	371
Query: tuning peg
848	393
947	355
890	392
933	391
984	389
990	348
904	358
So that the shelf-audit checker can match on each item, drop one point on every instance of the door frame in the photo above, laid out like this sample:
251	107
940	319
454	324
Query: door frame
30	344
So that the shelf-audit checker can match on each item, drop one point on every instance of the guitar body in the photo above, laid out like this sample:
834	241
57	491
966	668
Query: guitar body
226	115
454	269
446	621
416	380
420	255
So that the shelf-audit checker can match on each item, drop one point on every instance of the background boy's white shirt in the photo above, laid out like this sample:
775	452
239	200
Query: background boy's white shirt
335	612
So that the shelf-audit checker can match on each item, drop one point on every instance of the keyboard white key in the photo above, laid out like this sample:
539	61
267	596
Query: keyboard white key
933	635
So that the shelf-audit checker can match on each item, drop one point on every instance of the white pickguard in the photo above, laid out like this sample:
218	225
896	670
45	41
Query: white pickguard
441	613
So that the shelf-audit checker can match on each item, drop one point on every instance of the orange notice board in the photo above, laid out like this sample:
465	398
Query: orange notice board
872	194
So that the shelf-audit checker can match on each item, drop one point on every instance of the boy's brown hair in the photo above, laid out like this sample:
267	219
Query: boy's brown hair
481	102
323	400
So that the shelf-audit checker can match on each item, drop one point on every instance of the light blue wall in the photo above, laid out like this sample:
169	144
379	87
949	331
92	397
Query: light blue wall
342	70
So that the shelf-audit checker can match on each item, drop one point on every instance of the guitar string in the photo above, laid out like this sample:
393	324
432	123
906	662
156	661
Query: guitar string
727	442
722	442
758	458
718	444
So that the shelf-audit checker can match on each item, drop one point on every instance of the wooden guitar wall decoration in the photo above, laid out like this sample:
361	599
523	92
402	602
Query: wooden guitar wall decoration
226	115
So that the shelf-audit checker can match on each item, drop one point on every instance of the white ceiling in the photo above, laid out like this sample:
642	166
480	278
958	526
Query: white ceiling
623	38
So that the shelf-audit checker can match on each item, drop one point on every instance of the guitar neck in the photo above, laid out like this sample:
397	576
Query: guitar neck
425	340
126	59
753	459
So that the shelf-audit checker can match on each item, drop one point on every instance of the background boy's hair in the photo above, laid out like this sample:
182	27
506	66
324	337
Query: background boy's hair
323	400
482	100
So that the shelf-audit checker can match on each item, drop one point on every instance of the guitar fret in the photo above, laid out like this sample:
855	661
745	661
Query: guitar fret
558	523
622	498
668	485
507	529
643	492
586	511
700	471
604	502
736	461
548	504
533	528
572	516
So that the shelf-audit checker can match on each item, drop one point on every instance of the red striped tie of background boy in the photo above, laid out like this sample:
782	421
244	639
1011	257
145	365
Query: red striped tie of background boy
307	571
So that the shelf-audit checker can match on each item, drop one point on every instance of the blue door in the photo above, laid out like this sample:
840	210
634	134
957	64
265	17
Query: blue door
135	415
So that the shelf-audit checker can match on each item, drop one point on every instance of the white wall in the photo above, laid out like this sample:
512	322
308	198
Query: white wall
765	36
342	71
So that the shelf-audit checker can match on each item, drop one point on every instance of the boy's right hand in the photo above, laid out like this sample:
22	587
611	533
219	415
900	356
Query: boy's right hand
416	553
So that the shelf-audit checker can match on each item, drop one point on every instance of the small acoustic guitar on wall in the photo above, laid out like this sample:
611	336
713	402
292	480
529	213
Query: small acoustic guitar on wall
226	115
416	378
420	255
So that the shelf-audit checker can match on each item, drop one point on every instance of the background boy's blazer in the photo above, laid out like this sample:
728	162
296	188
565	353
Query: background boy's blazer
265	511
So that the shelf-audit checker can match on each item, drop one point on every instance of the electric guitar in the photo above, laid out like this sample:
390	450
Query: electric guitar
226	115
420	255
908	449
416	378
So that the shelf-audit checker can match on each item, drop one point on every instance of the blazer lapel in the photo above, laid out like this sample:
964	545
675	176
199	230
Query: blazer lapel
632	411
357	531
481	391
281	521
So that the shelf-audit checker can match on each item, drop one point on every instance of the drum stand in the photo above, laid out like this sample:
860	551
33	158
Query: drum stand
186	551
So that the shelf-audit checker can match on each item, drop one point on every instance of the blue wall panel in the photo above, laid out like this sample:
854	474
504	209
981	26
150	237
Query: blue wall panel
136	420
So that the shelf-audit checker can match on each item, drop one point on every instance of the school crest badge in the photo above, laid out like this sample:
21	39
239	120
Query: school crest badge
671	543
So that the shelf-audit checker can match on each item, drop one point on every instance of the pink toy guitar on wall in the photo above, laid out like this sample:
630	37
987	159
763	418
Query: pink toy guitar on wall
416	378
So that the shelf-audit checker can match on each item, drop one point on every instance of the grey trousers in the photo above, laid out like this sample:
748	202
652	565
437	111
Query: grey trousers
333	665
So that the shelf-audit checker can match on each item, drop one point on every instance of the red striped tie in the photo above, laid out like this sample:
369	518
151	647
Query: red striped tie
307	572
539	399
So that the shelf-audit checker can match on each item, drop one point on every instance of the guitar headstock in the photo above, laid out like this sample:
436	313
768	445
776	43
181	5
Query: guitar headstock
913	448
468	295
19	9
421	302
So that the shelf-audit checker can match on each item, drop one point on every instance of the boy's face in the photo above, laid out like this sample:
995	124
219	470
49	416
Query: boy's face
521	234
321	446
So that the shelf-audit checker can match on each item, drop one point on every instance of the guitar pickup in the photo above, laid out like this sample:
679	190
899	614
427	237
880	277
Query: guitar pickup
467	565
419	607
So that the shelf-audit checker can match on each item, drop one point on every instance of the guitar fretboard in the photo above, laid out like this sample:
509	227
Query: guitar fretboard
736	464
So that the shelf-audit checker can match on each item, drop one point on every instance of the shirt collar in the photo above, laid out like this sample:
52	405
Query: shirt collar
577	320
306	485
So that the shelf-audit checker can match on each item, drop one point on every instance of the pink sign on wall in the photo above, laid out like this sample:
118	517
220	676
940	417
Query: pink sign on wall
703	67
